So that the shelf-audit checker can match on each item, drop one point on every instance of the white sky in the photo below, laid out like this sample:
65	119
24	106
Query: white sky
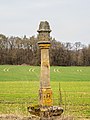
69	19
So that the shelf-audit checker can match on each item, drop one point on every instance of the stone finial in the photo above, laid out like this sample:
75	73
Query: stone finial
44	27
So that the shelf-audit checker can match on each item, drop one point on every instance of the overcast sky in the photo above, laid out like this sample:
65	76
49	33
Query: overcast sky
68	19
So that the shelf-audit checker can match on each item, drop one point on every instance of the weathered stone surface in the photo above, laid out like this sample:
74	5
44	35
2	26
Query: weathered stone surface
44	31
44	26
45	92
45	110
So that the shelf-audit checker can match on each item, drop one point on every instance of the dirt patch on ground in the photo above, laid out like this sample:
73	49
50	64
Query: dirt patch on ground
15	117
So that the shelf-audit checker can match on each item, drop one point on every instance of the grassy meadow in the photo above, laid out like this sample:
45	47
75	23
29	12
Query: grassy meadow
19	87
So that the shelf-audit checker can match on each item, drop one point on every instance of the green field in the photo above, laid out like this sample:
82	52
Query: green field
30	73
19	87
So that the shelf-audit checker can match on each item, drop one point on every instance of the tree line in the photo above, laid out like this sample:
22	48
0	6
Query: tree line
18	51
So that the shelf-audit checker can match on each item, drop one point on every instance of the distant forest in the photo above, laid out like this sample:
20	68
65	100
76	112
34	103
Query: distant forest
18	51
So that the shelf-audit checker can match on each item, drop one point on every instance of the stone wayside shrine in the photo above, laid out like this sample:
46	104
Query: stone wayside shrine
45	110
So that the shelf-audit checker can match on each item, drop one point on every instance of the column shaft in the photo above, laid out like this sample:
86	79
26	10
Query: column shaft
45	69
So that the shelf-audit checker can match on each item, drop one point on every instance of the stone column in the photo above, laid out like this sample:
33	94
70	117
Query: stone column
45	110
44	44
